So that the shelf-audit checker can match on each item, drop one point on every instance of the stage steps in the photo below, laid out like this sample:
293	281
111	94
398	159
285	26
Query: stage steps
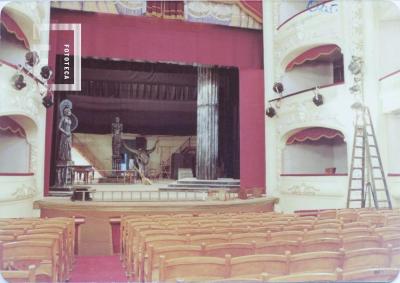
192	184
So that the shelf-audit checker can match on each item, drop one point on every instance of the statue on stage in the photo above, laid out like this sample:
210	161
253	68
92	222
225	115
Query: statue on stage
68	123
116	128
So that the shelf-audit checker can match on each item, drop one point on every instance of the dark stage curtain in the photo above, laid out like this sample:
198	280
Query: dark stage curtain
229	146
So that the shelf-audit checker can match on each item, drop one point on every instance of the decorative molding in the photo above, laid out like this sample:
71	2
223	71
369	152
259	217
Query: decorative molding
303	189
24	192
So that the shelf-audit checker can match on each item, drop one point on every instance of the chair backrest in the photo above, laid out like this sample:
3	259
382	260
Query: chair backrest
391	239
393	221
321	233
7	238
371	275
233	249
361	242
27	275
323	261
358	231
388	230
252	265
327	214
278	247
210	239
366	258
306	277
193	268
395	257
356	224
249	237
321	244
286	235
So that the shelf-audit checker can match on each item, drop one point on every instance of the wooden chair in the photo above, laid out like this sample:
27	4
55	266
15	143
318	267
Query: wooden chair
14	276
388	230
327	214
366	258
286	235
151	261
306	277
393	221
371	275
7	238
356	224
323	261
193	269
392	239
347	216
332	225
353	232
375	219
210	239
249	237
42	253
233	249
12	232
253	265
321	233
361	242
321	244
278	247
395	257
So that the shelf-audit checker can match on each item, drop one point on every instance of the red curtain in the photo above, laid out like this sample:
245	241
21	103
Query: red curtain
12	27
253	8
10	126
314	134
165	9
312	54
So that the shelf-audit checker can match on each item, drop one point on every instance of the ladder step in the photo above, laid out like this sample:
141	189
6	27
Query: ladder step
355	189
356	178
355	199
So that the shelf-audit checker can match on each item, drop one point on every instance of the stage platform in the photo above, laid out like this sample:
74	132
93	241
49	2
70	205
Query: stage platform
97	236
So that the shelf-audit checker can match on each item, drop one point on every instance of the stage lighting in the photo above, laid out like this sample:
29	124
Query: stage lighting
19	82
46	72
270	112
31	58
278	88
47	101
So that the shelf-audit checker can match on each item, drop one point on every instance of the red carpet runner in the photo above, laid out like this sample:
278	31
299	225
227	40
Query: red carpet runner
98	269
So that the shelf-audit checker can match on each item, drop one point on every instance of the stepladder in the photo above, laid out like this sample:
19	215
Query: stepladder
367	181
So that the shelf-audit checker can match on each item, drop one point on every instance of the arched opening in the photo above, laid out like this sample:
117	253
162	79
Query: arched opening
15	150
315	151
13	42
318	66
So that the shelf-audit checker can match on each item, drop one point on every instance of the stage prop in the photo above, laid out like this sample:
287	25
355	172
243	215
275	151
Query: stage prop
141	158
117	129
65	166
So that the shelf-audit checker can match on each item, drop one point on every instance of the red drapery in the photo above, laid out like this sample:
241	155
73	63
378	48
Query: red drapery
12	27
253	8
312	54
314	134
165	9
10	126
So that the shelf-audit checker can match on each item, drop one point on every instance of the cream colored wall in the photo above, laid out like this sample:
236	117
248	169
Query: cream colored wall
355	27
17	193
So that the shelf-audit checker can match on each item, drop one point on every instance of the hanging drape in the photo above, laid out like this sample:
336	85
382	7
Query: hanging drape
9	126
12	27
313	54
166	9
314	134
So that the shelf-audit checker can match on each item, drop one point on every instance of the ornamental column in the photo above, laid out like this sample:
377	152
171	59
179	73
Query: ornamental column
207	123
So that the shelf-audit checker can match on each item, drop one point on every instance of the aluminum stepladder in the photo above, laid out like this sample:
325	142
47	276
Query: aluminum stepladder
367	178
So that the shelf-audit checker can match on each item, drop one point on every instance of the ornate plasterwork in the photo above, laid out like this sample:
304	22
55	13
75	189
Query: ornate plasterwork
303	189
24	192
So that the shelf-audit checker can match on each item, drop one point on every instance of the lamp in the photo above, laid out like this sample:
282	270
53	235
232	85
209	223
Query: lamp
270	112
19	82
278	88
46	72
48	101
318	99
31	58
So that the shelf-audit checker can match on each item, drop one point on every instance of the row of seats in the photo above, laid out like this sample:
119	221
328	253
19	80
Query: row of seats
140	236
201	268
46	243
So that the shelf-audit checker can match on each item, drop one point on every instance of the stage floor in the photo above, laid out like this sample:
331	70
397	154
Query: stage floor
96	236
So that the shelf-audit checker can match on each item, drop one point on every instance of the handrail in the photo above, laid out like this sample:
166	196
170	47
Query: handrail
389	75
301	12
313	175
23	69
16	174
306	90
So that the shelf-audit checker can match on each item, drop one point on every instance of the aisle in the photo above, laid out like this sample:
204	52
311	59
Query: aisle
98	269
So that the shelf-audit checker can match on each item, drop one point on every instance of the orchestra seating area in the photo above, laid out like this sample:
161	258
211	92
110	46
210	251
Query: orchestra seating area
37	249
336	245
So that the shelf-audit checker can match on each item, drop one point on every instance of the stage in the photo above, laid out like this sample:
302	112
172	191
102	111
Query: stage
99	234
